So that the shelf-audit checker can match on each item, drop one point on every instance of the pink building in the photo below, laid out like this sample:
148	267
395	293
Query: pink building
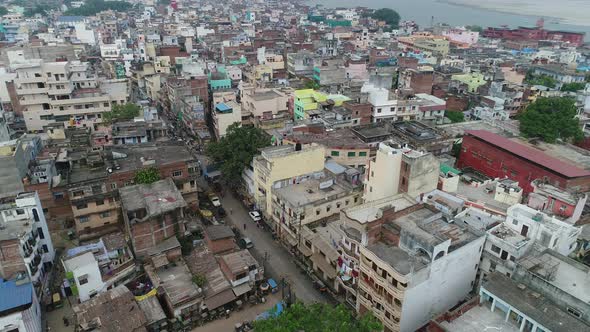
461	36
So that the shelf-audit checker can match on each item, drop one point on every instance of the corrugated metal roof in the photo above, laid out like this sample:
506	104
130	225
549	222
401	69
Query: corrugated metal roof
525	152
13	295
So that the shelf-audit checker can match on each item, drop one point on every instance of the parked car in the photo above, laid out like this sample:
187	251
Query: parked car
255	215
214	200
245	243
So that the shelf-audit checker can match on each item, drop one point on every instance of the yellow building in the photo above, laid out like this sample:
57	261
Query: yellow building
472	80
435	45
309	99
282	164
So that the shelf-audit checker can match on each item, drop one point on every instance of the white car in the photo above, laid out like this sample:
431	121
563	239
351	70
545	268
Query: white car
215	200
255	215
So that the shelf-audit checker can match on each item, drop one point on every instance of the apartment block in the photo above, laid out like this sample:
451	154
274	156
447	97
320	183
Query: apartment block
419	265
25	242
66	92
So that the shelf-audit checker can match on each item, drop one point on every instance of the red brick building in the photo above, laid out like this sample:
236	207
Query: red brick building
499	157
523	33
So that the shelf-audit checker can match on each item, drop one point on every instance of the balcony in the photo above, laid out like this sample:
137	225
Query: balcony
31	91
24	80
34	101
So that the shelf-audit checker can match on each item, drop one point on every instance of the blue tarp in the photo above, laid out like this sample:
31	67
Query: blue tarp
272	283
272	312
13	295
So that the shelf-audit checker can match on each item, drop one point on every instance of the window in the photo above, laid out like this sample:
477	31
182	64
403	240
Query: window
335	153
492	266
362	154
378	110
176	173
40	231
105	214
83	219
35	215
81	206
317	212
105	104
514	222
496	249
356	199
58	195
574	312
114	185
82	280
100	202
352	154
45	249
328	208
372	174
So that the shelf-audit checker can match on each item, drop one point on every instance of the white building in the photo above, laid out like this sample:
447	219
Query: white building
548	231
86	274
398	169
427	270
66	92
24	238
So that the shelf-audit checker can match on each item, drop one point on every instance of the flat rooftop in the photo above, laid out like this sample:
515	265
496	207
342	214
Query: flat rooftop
309	192
478	319
372	211
478	195
509	236
536	307
265	95
566	274
156	198
177	283
239	261
398	258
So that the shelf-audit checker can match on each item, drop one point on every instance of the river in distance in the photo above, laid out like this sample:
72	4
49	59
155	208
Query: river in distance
422	11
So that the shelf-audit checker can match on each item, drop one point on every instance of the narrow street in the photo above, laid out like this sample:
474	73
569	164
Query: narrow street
279	262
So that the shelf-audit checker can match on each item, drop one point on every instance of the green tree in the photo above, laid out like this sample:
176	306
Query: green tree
146	176
121	113
318	317
236	149
573	87
311	84
455	116
390	16
38	9
3	11
542	79
92	7
475	28
551	119
199	280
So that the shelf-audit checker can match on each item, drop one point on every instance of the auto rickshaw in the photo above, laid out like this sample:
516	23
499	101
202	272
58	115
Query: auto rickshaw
57	301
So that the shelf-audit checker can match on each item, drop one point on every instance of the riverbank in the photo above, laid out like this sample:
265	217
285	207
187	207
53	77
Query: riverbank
570	12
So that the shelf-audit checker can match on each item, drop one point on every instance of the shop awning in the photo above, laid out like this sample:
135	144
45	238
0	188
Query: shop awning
220	299
242	289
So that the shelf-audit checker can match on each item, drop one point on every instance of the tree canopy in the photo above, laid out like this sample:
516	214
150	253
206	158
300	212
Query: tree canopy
42	9
543	80
121	113
455	116
551	119
311	84
92	7
318	317
475	28
573	87
146	176
236	149
390	16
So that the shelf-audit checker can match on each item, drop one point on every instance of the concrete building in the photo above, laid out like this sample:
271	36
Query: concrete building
265	104
19	306
15	158
25	241
95	207
548	231
278	166
398	169
419	266
225	115
64	92
435	45
552	200
83	270
241	268
314	198
152	213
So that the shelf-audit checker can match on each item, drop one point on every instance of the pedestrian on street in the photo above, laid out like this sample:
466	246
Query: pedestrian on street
244	226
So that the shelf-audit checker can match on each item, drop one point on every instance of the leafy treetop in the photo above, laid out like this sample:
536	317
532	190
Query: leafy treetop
551	119
236	149
146	176
93	7
573	87
318	317
455	116
121	113
390	16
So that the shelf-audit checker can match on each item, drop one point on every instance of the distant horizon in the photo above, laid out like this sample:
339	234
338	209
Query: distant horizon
484	13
